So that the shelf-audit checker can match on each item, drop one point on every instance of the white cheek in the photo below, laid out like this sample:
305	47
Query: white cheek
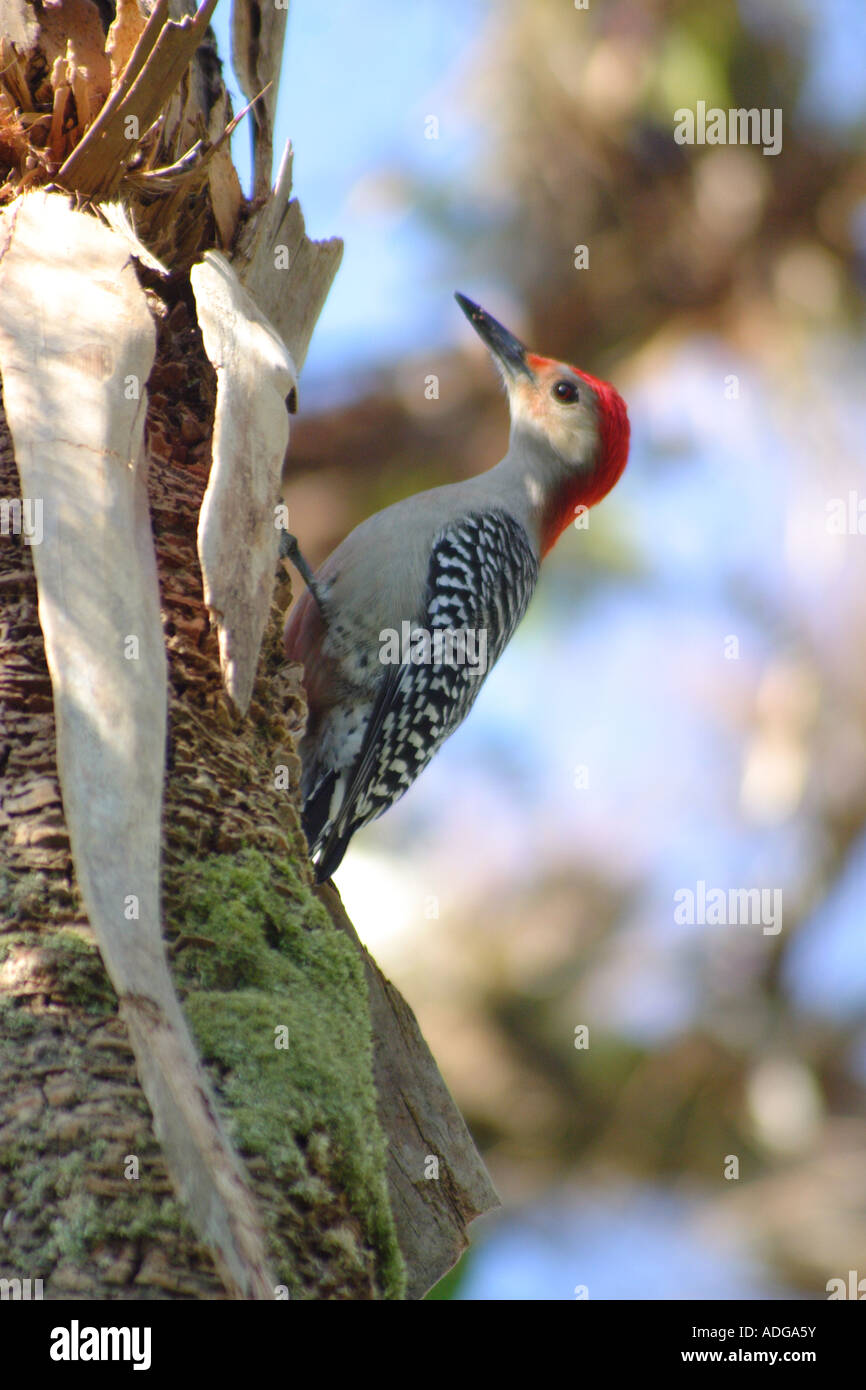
520	412
572	433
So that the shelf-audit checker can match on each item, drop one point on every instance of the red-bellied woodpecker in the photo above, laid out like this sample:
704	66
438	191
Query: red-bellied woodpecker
400	625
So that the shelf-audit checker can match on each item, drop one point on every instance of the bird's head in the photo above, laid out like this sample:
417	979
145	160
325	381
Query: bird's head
582	421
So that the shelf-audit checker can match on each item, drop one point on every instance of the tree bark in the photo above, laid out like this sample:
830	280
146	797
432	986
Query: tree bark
251	1112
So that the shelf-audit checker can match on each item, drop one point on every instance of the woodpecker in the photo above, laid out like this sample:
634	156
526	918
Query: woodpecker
399	627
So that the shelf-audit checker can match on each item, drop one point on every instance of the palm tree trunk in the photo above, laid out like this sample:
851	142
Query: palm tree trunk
249	1112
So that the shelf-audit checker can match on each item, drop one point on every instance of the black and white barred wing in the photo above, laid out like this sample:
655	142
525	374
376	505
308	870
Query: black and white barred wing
480	579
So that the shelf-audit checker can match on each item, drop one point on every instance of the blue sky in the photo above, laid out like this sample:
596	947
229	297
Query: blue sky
354	105
358	82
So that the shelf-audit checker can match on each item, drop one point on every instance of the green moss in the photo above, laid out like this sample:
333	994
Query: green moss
255	953
47	1179
44	1182
79	1228
68	1173
87	1222
21	896
259	962
16	1023
79	968
74	963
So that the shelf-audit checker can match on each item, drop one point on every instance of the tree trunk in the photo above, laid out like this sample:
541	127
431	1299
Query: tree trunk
206	1089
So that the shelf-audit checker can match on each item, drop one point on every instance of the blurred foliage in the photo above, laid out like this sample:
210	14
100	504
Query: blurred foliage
583	109
762	253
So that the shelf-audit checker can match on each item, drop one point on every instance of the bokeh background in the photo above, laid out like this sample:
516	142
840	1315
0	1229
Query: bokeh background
686	700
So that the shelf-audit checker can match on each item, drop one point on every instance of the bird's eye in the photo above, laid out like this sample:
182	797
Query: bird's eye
565	391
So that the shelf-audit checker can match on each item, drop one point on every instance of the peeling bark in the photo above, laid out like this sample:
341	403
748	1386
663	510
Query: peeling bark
171	782
237	535
77	344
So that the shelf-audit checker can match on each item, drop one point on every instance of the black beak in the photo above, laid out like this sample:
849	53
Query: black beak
508	350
